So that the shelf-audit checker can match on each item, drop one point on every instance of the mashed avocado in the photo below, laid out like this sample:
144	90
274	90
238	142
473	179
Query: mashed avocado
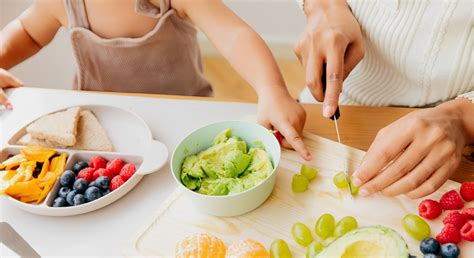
227	167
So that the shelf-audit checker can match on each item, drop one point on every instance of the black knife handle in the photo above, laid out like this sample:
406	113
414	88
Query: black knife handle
337	114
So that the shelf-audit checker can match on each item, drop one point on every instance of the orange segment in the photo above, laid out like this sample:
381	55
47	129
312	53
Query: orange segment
200	246
247	248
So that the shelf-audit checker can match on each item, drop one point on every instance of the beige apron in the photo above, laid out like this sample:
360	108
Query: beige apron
166	60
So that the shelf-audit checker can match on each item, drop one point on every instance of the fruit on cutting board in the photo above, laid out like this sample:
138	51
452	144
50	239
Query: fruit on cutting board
376	241
354	188
279	249
340	180
308	172
429	245
299	183
247	248
467	231
200	245
429	209
345	225
450	250
302	234
89	181
29	176
416	227
324	226
314	248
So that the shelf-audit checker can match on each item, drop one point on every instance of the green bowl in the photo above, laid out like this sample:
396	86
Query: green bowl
235	204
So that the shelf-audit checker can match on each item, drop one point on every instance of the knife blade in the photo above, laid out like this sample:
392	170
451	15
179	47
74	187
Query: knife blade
335	117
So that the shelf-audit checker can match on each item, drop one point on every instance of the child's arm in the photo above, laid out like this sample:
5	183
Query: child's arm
24	37
249	55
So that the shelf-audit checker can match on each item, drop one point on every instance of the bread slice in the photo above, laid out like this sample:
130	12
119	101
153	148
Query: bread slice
59	128
91	136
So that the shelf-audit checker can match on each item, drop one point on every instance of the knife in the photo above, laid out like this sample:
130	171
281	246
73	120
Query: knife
335	117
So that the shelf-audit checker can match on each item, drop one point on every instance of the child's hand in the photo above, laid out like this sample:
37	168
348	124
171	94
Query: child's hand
418	153
280	112
7	80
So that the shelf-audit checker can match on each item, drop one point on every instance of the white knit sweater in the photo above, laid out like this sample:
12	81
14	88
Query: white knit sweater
418	53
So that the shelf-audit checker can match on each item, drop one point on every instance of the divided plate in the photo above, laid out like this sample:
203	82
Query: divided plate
132	141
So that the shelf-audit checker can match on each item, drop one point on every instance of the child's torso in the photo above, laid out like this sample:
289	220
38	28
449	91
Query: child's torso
134	46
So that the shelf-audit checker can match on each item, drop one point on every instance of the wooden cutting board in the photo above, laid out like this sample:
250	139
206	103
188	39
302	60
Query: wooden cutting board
178	218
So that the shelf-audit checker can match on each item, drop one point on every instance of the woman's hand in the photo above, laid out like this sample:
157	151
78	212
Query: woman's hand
279	111
332	36
7	80
418	153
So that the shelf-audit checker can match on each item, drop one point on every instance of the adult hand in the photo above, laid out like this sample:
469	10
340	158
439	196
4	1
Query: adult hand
418	153
280	112
7	80
332	36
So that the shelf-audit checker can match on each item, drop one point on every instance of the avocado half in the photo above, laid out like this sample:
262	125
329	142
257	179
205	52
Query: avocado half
373	242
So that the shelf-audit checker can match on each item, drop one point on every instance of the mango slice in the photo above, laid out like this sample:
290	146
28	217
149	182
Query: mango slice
44	169
37	153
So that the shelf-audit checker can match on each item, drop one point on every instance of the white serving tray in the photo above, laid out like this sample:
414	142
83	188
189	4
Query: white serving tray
132	141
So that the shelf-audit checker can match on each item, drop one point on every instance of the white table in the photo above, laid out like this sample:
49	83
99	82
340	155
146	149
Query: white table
105	232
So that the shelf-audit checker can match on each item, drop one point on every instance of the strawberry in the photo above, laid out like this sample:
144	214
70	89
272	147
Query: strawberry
451	201
97	162
449	234
116	182
467	191
86	173
127	171
467	231
455	218
115	166
429	209
102	172
469	212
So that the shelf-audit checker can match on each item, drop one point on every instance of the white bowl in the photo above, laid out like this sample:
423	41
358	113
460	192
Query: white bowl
133	142
235	204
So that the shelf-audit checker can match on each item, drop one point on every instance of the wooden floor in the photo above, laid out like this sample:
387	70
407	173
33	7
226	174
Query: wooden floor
228	84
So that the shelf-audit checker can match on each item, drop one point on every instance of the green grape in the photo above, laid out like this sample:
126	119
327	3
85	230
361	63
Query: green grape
416	227
345	225
340	180
324	227
308	172
301	234
354	189
279	249
314	248
299	183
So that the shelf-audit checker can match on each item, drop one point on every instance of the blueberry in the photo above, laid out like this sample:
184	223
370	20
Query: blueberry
103	182
92	193
67	178
60	202
104	193
79	166
430	256
80	185
94	183
70	197
79	199
450	250
63	191
429	245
